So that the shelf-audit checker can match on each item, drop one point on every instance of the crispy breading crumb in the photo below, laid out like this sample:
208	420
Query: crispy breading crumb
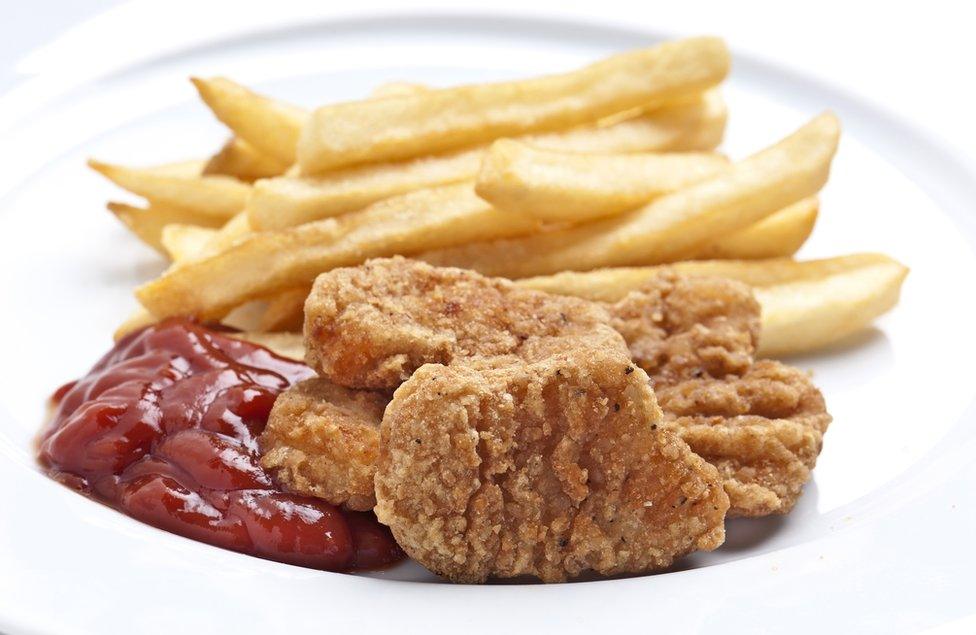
323	440
527	468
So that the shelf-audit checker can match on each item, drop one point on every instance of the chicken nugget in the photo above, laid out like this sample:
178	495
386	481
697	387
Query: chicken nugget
763	430
323	440
372	326
501	467
760	422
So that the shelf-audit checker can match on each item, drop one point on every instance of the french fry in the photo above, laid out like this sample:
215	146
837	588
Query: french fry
776	236
612	284
563	187
805	305
441	120
240	159
147	223
288	201
285	310
186	242
219	197
802	316
674	226
267	262
290	345
271	126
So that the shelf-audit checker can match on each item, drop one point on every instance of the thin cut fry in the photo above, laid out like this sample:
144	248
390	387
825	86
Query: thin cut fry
288	201
186	242
217	196
674	226
776	236
240	159
572	187
441	120
148	223
285	310
612	284
269	125
803	316
267	262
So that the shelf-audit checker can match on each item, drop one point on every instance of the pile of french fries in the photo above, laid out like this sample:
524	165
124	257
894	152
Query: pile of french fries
582	183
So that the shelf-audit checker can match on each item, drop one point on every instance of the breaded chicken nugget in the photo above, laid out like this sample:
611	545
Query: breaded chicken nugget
500	467
693	335
323	440
763	430
372	326
760	422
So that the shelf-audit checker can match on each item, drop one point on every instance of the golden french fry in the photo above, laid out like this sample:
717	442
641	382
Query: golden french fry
217	196
687	125
290	345
267	262
776	236
288	201
805	315
147	223
186	242
240	159
285	310
573	187
674	226
440	120
612	284
398	89
269	125
233	232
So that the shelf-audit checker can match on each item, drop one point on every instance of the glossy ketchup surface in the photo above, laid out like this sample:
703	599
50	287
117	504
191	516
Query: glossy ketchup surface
164	428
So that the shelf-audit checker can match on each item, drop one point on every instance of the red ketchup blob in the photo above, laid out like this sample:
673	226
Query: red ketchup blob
164	428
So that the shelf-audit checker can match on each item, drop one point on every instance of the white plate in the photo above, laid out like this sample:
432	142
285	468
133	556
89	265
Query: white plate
877	543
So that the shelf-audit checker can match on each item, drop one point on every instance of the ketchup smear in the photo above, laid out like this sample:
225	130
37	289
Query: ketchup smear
164	428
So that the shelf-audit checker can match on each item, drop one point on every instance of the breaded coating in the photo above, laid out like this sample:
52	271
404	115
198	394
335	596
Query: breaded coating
679	326
763	430
760	422
323	440
372	326
693	335
550	468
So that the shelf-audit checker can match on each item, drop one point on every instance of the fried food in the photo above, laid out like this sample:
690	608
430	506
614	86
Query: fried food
776	236
674	226
548	462
180	185
268	262
761	423
571	187
292	200
323	440
434	121
240	159
806	305
147	223
270	126
372	326
763	429
810	314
